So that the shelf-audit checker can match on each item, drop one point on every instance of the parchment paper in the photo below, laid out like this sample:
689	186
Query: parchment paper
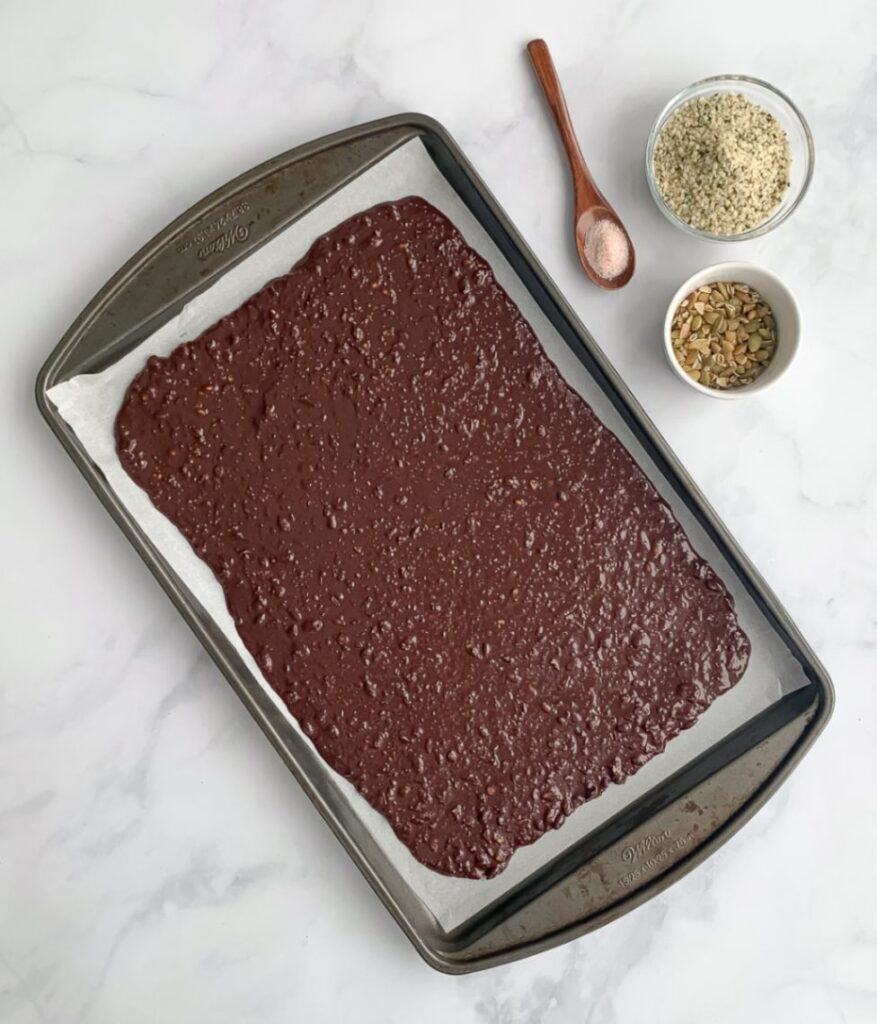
89	404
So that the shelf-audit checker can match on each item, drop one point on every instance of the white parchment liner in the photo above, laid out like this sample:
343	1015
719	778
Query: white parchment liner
89	404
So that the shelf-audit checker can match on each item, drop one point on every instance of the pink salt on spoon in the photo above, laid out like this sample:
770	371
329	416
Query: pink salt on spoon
606	249
602	242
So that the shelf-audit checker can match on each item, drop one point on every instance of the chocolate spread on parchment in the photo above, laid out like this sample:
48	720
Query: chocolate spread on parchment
458	580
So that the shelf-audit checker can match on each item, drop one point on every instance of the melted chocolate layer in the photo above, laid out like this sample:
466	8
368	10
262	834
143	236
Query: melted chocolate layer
459	581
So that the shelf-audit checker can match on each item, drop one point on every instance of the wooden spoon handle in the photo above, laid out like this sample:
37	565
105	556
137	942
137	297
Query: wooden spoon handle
543	65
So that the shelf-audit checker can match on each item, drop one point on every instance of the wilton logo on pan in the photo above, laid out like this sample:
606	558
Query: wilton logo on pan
219	234
650	853
637	850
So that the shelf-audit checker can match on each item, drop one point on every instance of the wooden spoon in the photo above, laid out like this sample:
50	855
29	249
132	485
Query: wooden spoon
590	203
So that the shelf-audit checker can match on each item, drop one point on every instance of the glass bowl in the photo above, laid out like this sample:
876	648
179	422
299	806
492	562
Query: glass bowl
790	118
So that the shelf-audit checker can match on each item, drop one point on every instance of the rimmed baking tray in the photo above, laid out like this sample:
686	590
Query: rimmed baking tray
654	840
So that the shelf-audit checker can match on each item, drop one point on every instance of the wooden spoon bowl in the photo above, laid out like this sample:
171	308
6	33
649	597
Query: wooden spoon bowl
590	203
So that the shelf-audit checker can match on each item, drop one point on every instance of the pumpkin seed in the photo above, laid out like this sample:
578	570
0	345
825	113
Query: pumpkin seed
723	335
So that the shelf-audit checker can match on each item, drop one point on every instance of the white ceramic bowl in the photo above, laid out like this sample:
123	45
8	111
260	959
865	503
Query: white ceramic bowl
777	296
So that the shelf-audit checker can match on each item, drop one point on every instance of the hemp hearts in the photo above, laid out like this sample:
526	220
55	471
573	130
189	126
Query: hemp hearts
722	163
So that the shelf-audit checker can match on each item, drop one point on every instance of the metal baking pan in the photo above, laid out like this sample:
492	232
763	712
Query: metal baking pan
640	851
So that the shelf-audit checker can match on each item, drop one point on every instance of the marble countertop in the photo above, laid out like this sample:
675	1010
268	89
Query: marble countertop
157	862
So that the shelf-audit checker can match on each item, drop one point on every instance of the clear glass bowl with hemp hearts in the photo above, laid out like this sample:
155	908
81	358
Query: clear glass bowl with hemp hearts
729	158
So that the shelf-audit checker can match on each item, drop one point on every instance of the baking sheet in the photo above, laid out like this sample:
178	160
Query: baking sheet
89	404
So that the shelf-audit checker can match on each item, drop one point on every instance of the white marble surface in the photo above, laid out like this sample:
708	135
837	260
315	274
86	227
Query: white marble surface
157	863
